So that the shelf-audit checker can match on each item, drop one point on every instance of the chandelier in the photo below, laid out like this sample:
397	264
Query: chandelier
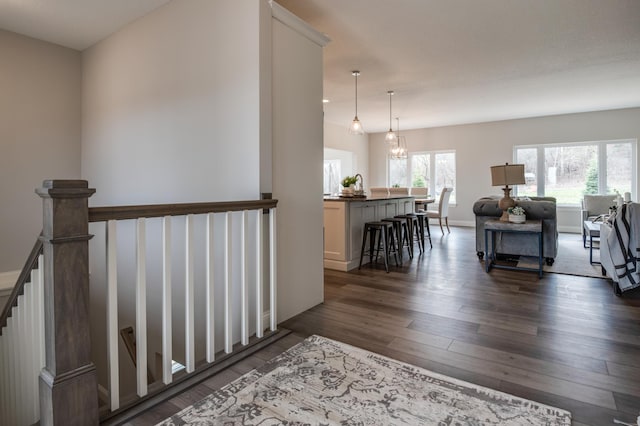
398	150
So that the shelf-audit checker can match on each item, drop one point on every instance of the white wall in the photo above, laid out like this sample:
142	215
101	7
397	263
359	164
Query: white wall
338	137
171	113
171	106
297	169
479	146
39	135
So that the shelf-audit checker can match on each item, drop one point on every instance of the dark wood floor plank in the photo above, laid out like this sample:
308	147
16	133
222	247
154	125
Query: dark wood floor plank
627	403
538	347
156	415
624	371
506	372
596	380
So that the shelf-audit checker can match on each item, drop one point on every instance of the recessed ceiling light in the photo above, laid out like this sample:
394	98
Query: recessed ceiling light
325	101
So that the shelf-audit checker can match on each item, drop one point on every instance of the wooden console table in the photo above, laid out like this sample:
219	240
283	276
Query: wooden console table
493	226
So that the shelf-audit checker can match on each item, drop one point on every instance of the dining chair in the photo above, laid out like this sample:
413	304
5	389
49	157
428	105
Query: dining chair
398	190
420	194
443	209
379	192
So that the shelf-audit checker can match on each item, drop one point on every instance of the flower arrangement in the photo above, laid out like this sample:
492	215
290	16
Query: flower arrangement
348	181
516	211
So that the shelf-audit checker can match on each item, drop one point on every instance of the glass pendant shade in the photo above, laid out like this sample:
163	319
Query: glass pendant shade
356	126
399	150
390	137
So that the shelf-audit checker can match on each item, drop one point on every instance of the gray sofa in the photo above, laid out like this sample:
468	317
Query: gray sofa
520	244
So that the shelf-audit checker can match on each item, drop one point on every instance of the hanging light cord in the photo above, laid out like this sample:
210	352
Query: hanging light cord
355	73
390	94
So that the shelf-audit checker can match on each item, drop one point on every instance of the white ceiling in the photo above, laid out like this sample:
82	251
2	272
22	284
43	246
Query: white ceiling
77	24
449	61
463	61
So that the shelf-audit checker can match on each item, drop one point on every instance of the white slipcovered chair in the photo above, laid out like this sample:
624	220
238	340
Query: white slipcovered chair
443	209
379	192
396	191
419	193
594	206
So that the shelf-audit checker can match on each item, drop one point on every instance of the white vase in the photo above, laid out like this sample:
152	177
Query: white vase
348	192
517	218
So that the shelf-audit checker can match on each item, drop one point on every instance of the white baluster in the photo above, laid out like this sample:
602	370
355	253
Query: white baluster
12	371
4	390
167	348
141	308
189	297
39	322
211	335
40	319
273	272
112	315
19	360
228	343
244	269
259	272
32	368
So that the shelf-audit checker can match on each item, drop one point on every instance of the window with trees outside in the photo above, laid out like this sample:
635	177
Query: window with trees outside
569	171
433	170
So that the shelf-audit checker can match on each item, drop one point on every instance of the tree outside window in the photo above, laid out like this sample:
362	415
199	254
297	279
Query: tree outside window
433	170
569	171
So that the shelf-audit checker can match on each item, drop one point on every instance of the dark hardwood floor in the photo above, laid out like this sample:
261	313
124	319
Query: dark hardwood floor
561	340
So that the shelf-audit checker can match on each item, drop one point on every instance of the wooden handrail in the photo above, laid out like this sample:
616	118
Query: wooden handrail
102	214
23	278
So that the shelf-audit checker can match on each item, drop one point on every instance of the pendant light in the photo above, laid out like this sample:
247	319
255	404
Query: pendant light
390	137
399	150
356	126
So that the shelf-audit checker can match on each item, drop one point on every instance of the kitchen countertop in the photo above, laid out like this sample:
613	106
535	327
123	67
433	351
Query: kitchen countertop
365	198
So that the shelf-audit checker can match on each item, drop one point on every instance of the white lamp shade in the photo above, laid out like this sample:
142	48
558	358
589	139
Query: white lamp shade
507	174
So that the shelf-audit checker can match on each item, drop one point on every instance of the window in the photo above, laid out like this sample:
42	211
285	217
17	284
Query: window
434	170
397	172
331	176
568	171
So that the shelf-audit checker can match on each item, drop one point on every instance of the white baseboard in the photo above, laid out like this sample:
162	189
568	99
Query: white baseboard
464	223
570	229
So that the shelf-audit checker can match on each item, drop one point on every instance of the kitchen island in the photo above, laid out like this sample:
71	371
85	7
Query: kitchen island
344	220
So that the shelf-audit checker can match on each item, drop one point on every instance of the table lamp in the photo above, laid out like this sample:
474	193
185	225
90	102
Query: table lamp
508	174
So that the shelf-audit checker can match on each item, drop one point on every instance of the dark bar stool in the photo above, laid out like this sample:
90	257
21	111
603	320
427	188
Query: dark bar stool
414	230
402	235
423	221
384	231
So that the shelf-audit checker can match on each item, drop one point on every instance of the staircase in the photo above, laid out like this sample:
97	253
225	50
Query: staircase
59	333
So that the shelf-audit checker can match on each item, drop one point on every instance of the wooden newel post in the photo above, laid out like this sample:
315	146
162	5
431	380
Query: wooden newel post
68	383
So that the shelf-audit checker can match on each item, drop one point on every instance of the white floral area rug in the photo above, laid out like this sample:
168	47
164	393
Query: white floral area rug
324	382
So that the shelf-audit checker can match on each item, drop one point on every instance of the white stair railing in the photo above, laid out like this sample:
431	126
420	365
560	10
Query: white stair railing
242	229
22	354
